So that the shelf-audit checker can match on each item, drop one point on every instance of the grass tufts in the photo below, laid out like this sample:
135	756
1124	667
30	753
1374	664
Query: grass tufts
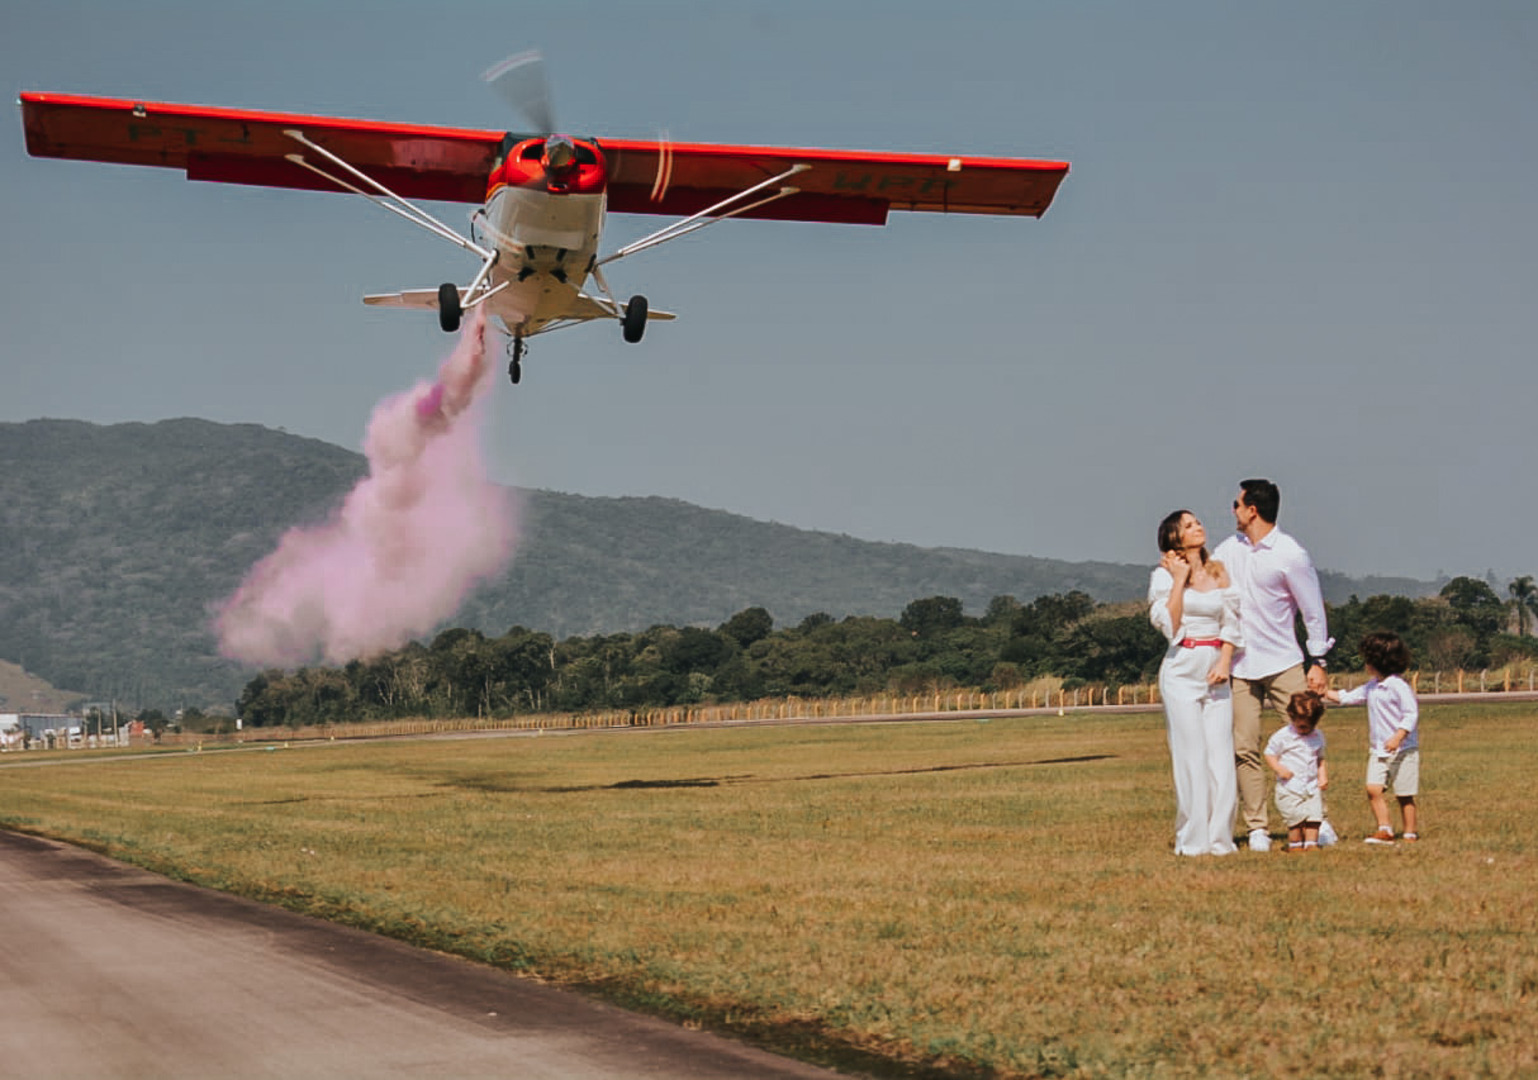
955	900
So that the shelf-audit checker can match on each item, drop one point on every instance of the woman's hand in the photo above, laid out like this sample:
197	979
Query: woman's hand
1177	566
1218	674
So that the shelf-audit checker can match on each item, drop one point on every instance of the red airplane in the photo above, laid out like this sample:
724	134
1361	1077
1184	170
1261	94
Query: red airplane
543	195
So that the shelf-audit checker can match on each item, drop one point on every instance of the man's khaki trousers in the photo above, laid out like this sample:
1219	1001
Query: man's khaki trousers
1254	776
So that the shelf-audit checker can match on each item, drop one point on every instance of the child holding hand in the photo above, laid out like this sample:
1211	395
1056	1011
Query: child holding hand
1392	719
1296	755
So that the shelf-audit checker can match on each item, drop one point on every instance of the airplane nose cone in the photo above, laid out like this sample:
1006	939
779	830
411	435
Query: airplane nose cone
560	154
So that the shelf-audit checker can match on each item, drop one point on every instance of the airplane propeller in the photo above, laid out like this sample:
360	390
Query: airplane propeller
520	81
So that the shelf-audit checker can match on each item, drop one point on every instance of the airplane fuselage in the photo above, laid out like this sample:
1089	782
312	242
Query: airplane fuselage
546	246
545	220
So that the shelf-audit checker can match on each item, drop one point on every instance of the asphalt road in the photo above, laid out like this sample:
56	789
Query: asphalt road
110	971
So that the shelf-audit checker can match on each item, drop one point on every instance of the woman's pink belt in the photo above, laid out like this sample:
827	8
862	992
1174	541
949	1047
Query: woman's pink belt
1194	642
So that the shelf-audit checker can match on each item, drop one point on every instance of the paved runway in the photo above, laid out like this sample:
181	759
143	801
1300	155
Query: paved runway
109	971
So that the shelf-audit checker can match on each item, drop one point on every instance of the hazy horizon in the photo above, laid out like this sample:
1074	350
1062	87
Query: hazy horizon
1293	243
1481	573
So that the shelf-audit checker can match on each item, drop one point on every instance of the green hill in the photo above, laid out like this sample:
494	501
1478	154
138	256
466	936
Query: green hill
118	540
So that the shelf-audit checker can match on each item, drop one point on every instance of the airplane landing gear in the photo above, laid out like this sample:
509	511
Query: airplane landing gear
633	324
449	311
515	364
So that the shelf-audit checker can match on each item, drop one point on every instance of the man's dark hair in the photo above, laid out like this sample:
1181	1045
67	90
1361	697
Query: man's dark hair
1386	652
1264	496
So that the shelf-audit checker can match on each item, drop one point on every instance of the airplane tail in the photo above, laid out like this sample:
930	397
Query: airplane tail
416	299
583	308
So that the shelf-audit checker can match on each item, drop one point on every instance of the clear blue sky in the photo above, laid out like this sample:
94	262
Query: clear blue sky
1297	241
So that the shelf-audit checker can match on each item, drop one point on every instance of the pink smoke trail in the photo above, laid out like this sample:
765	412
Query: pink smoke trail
407	546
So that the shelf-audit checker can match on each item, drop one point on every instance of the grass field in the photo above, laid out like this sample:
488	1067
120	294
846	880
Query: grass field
966	898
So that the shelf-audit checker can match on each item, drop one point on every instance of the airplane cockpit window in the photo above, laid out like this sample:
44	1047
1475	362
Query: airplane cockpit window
509	141
536	150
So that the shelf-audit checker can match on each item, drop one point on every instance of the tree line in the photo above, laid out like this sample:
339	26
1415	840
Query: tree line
932	645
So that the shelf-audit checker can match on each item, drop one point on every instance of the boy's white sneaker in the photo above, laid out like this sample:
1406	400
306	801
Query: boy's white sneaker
1382	836
1260	840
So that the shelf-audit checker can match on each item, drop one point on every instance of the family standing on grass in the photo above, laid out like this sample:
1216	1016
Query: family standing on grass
1229	618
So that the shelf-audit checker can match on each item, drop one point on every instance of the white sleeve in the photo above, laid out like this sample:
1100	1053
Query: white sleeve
1303	583
1354	697
1229	627
1409	709
1160	585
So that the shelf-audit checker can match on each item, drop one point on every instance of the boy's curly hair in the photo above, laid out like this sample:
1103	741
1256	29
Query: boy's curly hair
1386	652
1306	705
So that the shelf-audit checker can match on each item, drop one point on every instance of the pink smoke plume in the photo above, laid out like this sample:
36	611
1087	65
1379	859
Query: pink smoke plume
405	549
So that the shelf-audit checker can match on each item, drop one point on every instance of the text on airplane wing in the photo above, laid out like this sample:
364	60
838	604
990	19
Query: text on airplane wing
453	164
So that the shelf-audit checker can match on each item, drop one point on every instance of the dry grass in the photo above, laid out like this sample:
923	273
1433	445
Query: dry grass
974	898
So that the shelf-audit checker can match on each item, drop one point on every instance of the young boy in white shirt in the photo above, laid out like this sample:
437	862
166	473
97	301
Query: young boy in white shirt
1392	719
1296	755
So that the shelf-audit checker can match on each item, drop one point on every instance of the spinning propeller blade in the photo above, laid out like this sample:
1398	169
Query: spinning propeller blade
664	166
521	82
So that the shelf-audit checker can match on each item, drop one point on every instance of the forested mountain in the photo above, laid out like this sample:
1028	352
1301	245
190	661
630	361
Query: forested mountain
115	542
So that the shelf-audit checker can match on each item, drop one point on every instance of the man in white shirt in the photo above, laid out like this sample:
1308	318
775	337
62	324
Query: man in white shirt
1276	580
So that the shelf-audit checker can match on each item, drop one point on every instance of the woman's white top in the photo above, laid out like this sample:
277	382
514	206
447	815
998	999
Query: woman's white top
1210	614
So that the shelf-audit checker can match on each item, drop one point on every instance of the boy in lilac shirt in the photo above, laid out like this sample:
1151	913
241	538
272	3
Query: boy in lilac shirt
1392	719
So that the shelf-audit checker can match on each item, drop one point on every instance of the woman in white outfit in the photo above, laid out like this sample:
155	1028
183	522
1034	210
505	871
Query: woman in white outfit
1192	602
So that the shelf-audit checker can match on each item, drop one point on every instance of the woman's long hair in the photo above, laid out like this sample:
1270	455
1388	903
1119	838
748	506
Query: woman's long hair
1169	534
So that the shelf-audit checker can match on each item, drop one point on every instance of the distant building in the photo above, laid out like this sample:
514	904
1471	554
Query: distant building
40	730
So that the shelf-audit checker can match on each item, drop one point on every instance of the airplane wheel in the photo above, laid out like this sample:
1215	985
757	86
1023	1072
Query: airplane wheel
514	371
634	323
449	311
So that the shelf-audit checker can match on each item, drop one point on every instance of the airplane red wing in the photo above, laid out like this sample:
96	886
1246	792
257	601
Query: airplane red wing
849	186
452	164
246	147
